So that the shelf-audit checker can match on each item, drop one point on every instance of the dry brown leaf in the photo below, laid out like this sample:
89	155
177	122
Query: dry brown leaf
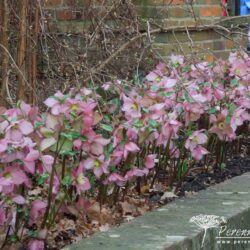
128	208
145	189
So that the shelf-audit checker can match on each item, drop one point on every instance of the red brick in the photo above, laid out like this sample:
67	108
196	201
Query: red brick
53	3
210	11
66	14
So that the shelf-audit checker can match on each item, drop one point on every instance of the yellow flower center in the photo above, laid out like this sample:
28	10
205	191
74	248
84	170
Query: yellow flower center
97	163
74	107
158	79
15	127
134	106
221	125
195	140
80	179
7	175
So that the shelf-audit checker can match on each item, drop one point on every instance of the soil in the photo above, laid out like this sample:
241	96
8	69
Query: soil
199	181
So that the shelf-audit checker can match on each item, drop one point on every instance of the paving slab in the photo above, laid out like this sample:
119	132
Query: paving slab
169	228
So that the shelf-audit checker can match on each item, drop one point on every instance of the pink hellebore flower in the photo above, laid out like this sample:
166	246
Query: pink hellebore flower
3	145
157	111
130	147
198	152
77	144
116	157
177	59
219	94
15	132
73	105
118	136
29	111
192	112
221	128
47	161
116	178
207	92
170	128
56	103
6	184
37	210
197	138
153	76
136	172
29	161
12	176
199	98
80	181
131	108
36	245
97	145
240	115
99	165
150	161
167	83
18	199
131	134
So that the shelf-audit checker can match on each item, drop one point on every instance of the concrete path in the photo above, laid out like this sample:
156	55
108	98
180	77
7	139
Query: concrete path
168	228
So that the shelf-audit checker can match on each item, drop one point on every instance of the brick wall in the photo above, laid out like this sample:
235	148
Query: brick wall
70	17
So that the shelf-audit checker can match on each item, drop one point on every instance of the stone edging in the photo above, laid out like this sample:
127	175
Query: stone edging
168	228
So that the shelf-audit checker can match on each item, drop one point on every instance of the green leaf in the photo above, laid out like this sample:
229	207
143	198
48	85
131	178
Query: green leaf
187	97
154	88
106	127
228	119
138	123
182	169
234	83
64	145
67	181
18	105
152	123
222	166
232	108
42	178
108	150
166	94
32	233
73	114
73	135
212	110
67	152
112	169
38	124
145	110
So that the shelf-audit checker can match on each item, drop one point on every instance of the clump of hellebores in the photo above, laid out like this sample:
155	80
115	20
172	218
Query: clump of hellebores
83	146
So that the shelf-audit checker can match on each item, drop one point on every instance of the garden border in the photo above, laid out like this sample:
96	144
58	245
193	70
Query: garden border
169	228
